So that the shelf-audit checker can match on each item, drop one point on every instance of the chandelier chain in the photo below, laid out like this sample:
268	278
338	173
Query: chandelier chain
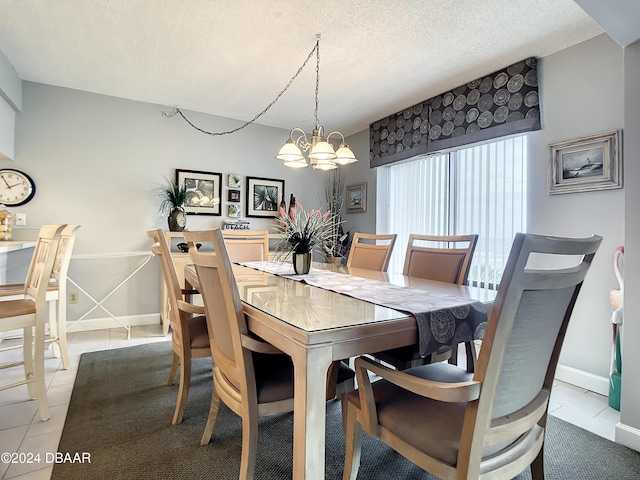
315	49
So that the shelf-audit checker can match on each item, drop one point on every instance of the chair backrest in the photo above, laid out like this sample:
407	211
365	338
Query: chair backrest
42	261
521	346
223	309
160	248
371	251
247	245
63	256
445	258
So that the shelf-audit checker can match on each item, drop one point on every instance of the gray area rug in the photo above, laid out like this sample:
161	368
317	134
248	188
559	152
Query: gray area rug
120	413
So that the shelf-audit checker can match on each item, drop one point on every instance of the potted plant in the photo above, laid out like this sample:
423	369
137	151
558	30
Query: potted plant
303	231
172	199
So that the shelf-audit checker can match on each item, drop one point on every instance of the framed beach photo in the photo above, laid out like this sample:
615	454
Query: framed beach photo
263	196
356	198
203	191
586	164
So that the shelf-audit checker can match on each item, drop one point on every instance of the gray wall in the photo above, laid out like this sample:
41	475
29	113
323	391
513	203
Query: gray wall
95	160
628	431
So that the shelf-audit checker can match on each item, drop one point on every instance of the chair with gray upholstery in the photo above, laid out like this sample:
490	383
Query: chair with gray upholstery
253	378
489	424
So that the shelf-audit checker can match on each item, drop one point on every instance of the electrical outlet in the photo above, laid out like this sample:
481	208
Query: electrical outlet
21	219
73	297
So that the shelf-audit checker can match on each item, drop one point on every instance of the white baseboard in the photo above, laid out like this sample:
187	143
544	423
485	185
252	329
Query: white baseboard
582	379
108	322
628	436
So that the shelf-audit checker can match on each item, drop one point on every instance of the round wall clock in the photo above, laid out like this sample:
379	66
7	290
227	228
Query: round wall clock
16	187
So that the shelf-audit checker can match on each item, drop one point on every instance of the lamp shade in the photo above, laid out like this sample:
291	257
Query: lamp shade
323	164
322	151
290	152
345	156
302	163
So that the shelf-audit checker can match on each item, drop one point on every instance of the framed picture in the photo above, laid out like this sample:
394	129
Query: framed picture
233	210
233	195
203	191
586	164
263	196
356	197
234	180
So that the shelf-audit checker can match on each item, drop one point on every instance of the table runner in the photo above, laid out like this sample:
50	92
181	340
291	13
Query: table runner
442	319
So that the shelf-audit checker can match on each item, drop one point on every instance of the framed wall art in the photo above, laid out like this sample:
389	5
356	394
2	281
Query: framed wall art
233	196
203	191
586	164
233	210
263	196
234	180
356	198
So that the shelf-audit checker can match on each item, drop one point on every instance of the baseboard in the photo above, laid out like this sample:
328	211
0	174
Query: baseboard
628	436
108	322
582	379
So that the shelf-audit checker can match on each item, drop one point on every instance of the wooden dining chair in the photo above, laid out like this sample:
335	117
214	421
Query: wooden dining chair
444	258
56	296
190	338
489	424
371	251
251	377
29	314
247	245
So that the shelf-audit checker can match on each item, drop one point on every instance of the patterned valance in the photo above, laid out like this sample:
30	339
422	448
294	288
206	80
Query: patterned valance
500	104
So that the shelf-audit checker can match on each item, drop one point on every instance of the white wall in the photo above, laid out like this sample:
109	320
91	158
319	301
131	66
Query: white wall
95	160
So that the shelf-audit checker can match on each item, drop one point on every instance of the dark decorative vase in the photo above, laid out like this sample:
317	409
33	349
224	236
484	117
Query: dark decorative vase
302	263
177	220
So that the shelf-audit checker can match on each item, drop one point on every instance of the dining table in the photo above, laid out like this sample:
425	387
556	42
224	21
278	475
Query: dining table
316	326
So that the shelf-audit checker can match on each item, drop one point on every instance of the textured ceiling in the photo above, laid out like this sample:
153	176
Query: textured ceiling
232	57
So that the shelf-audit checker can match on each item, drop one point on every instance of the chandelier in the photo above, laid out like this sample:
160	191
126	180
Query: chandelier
321	153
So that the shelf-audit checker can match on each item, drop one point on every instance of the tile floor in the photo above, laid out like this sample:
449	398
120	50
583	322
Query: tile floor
22	431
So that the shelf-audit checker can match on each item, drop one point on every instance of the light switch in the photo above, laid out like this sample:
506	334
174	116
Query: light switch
21	219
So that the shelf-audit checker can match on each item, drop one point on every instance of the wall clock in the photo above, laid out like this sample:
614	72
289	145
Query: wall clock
16	187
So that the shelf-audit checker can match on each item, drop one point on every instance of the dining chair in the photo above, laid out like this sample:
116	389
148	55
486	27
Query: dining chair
252	377
190	338
29	314
247	245
444	258
56	296
371	251
489	424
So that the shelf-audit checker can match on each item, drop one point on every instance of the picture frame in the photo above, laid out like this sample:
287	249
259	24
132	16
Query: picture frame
263	196
233	196
234	180
234	210
586	164
356	198
203	191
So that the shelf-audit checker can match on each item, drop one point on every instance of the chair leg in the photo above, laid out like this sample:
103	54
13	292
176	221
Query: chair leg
27	356
174	369
62	333
537	466
249	445
472	356
453	359
211	419
38	367
183	389
352	440
53	328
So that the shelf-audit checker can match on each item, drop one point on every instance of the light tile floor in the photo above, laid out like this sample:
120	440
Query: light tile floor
21	430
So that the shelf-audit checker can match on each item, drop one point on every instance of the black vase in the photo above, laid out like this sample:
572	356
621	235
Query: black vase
301	263
177	220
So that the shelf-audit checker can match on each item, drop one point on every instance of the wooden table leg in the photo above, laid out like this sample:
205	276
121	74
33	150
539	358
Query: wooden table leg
309	417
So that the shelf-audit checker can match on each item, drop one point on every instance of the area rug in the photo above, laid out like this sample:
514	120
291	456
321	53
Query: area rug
120	414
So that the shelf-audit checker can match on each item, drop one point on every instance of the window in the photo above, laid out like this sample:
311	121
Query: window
481	189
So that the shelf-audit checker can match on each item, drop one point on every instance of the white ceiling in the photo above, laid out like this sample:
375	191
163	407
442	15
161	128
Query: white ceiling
232	57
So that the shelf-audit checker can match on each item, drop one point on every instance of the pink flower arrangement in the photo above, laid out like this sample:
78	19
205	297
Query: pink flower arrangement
302	230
